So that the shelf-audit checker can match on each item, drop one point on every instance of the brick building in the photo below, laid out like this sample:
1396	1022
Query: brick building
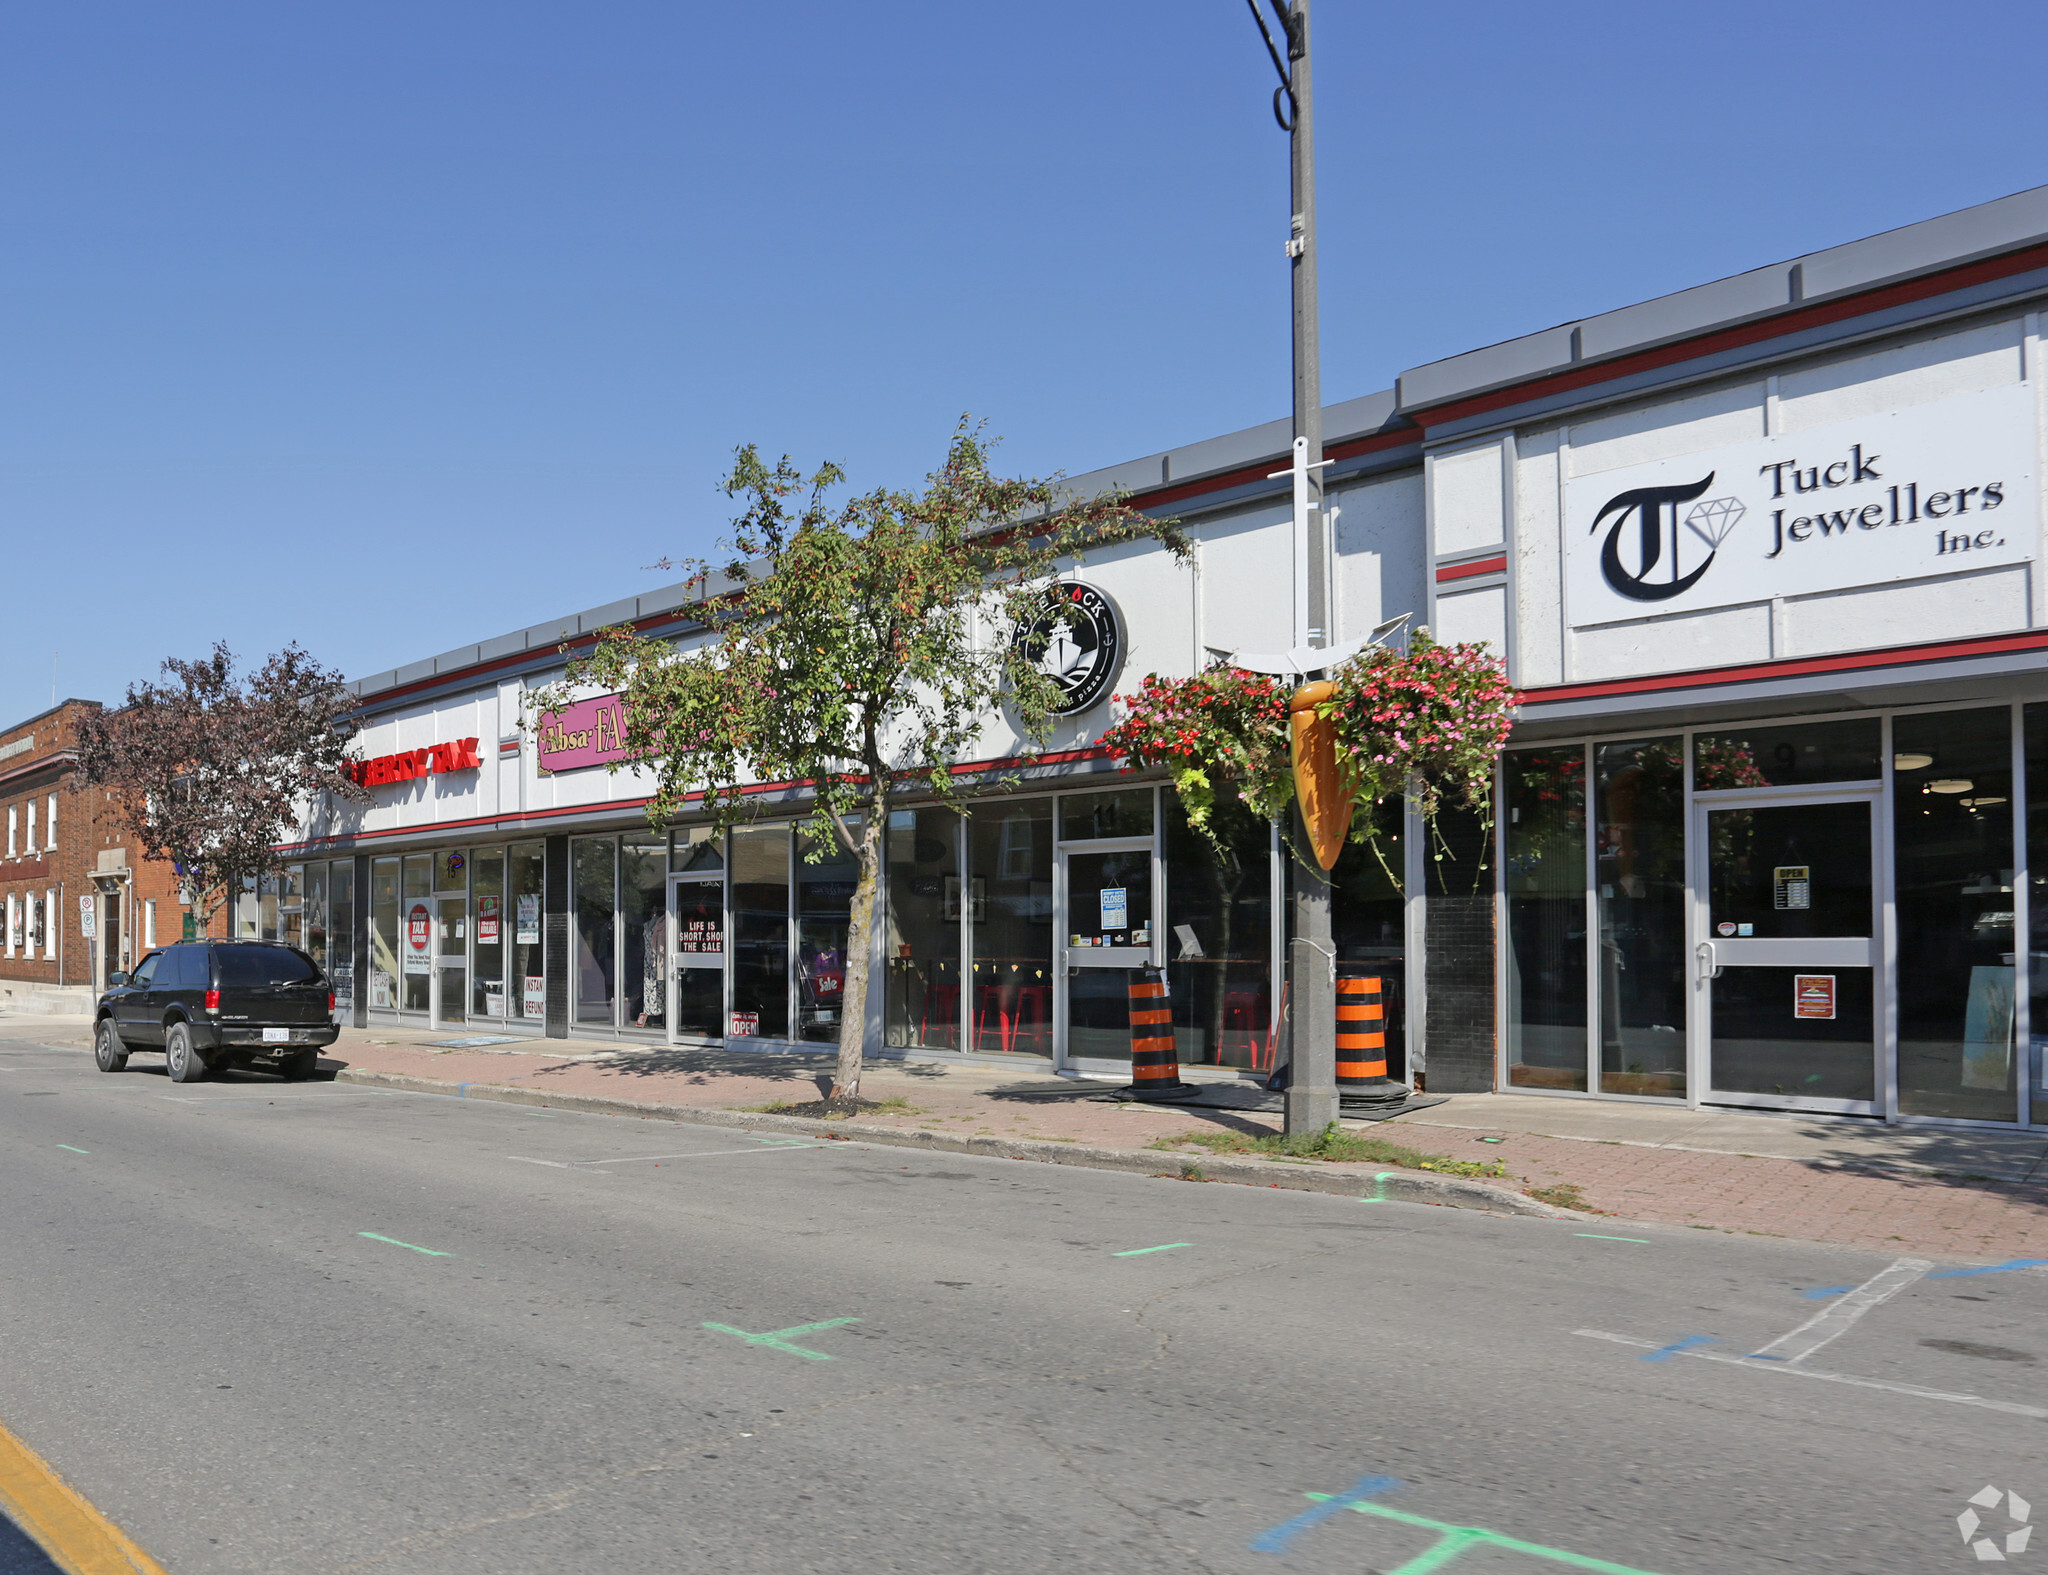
74	903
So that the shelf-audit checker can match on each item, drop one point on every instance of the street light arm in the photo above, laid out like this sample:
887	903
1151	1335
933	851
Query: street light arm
1286	88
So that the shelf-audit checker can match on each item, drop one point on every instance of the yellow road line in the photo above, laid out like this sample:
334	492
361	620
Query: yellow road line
77	1536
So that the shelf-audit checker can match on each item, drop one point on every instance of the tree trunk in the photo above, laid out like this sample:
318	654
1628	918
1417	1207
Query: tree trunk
853	1009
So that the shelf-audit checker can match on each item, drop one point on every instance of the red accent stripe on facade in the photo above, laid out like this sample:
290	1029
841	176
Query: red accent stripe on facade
1465	571
520	816
1857	661
1790	321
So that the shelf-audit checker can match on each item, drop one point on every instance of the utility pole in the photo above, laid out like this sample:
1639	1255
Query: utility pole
1311	1098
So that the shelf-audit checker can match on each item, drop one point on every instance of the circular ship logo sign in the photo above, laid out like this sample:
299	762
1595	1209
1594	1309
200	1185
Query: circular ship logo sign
1664	559
1077	642
2016	1528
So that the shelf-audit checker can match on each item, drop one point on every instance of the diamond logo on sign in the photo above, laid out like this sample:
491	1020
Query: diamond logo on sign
2019	1513
1713	520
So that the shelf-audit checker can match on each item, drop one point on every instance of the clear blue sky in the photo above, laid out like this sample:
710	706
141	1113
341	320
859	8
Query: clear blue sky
389	327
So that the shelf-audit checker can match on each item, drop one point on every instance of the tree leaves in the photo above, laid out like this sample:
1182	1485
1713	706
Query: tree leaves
212	772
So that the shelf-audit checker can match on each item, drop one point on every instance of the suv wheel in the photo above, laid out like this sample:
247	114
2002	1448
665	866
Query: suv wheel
299	1065
107	1050
185	1063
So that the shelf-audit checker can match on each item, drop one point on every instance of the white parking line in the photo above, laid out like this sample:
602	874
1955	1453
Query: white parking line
701	1153
528	1159
1785	1368
1833	1321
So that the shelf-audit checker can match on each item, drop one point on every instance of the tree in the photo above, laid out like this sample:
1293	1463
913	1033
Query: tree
212	771
858	649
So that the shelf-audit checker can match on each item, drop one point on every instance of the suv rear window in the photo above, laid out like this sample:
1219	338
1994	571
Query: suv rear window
244	966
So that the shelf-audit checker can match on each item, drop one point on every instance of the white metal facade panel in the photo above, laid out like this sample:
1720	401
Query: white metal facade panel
1248	580
1468	509
1994	601
1380	568
1539	656
1473	616
1918	373
1673	645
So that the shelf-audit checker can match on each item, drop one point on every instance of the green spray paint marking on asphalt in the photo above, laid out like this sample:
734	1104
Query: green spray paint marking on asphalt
1640	1241
778	1339
75	1150
408	1246
1379	1188
1139	1252
1454	1540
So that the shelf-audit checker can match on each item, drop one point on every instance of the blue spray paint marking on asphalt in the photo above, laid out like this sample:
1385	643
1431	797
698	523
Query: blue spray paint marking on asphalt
1762	1356
462	1090
1994	1268
1826	1291
1276	1539
1676	1346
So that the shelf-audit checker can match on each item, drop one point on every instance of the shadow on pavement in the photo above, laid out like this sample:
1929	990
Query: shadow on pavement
19	1554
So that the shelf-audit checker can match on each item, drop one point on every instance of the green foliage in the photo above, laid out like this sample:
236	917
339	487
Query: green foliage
848	646
1220	730
1335	1145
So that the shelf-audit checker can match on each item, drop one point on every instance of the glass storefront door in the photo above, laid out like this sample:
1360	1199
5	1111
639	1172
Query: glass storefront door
1788	956
451	960
696	919
1107	927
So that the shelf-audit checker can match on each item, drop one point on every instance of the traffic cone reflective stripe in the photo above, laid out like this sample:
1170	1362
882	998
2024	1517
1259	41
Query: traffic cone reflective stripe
1155	1064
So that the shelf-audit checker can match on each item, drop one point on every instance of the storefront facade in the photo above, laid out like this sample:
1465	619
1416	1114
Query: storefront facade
1764	559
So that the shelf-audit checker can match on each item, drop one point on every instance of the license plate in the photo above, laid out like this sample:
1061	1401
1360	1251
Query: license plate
277	1036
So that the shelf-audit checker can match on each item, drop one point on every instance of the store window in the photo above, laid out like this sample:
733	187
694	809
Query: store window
487	934
525	872
1786	754
416	933
291	905
316	918
826	875
760	924
1952	823
643	921
1092	817
698	851
1219	935
341	962
1545	883
594	863
1640	869
1009	904
922	950
384	904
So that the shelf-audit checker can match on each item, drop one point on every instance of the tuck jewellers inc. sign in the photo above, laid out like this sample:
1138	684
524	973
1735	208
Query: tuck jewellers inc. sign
1934	489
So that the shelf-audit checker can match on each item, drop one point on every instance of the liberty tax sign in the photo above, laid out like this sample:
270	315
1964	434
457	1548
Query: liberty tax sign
419	937
1934	489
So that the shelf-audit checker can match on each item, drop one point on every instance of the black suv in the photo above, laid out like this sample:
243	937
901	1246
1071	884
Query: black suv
213	1004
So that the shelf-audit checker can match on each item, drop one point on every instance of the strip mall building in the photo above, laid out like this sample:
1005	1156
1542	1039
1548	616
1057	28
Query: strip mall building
1765	559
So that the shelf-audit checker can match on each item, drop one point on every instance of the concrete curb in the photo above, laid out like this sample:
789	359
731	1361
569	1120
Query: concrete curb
1387	1186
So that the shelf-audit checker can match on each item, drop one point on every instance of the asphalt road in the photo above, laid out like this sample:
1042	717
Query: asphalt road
216	1323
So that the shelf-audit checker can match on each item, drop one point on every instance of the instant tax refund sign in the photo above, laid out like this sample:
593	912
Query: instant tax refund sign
1933	489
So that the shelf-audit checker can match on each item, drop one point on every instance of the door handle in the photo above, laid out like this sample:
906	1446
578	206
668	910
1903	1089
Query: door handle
1709	960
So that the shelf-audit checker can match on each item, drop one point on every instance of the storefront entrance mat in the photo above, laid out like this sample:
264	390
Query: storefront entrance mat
473	1044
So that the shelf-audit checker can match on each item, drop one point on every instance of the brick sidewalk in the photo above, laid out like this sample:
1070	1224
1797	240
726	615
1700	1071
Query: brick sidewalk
1950	1215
